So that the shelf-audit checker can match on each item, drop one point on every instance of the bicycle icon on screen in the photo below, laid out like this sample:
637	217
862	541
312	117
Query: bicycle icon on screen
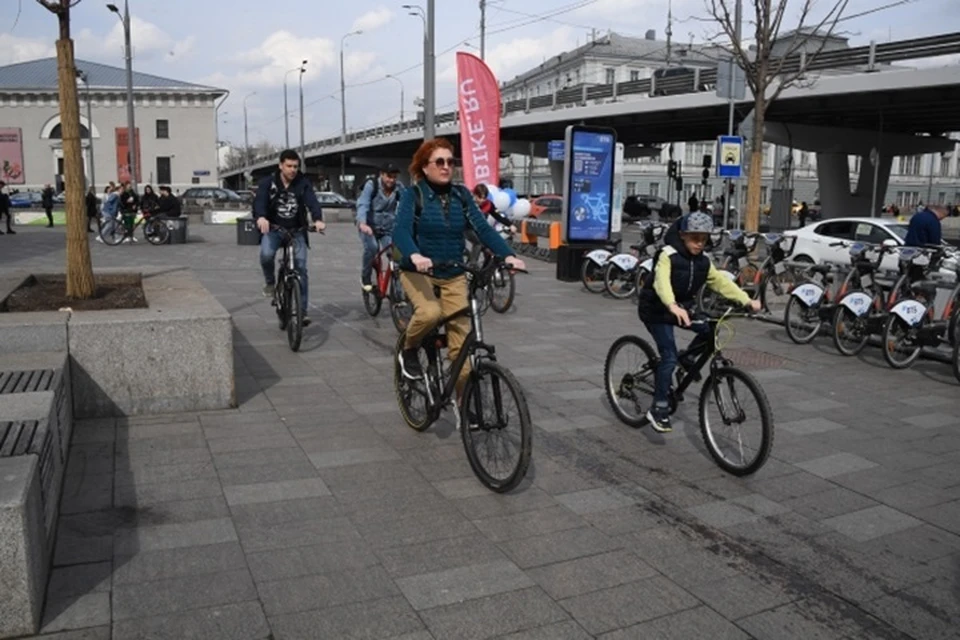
594	205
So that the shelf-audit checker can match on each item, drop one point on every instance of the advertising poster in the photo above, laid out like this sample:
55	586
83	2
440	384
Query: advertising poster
479	97
123	160
11	156
589	182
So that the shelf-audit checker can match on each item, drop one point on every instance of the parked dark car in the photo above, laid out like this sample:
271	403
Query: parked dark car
196	199
331	200
25	200
638	207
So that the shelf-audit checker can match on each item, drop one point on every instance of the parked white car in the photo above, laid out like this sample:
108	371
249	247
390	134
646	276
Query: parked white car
814	240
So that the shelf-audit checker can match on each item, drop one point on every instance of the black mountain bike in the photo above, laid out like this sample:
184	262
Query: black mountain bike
493	419
287	298
629	372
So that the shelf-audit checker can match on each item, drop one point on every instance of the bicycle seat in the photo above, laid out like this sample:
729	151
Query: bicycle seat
857	249
736	234
772	238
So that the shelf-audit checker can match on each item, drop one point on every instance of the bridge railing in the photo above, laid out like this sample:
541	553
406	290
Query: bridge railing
701	80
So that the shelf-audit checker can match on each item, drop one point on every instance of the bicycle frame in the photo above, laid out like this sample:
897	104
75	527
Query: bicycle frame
384	273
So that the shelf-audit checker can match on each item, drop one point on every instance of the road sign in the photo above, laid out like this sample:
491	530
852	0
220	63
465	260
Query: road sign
729	160
555	150
726	68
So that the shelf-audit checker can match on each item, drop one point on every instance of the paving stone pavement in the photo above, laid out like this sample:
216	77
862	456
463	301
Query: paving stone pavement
312	511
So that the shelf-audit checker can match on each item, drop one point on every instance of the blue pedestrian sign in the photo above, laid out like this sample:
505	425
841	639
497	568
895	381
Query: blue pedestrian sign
729	154
555	149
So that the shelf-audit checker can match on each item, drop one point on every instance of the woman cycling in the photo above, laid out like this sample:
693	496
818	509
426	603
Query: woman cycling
431	220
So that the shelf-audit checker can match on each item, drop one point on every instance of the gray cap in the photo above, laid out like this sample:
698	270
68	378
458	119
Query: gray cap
697	222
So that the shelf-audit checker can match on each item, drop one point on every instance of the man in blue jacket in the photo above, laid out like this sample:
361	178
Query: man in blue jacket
925	228
282	201
376	213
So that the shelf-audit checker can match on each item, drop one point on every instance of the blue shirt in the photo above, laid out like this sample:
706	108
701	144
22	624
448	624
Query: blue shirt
924	229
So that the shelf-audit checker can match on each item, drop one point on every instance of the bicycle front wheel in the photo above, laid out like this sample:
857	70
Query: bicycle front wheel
156	232
802	322
628	379
495	427
730	400
294	308
113	234
850	333
502	289
372	301
591	275
619	283
411	394
899	348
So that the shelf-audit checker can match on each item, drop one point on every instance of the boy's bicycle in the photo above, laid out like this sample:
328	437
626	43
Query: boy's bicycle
387	286
629	373
155	230
493	417
287	298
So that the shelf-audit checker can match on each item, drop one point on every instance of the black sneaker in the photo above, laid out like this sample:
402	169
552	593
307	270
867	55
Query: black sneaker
306	321
410	364
659	419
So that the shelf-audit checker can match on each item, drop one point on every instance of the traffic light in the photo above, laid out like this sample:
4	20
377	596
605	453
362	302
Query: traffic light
672	169
679	184
705	174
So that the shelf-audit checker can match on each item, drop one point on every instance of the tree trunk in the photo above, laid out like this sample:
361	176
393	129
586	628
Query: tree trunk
80	283
755	177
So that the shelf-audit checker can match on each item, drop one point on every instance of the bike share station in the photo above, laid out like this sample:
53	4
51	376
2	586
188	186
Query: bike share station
592	179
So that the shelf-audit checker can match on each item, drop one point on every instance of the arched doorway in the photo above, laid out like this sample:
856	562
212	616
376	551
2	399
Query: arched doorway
52	130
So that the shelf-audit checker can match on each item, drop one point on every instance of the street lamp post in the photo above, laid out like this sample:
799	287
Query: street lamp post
131	130
86	81
343	112
303	160
429	88
246	139
393	77
216	134
286	114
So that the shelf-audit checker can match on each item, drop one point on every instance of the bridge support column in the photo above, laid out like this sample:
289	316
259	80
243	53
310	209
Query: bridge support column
836	198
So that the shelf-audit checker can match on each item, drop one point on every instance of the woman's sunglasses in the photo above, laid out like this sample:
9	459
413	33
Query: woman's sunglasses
444	162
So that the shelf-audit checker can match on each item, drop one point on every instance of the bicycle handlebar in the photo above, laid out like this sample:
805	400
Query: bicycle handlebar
456	264
290	232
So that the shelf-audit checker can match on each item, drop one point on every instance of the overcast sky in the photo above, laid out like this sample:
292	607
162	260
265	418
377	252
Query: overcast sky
250	46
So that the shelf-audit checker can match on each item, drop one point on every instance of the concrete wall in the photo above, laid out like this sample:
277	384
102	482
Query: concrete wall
192	142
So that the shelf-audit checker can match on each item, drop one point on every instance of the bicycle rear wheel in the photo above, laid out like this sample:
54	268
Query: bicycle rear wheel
733	449
899	349
156	232
294	314
850	334
628	379
495	427
502	289
115	235
411	394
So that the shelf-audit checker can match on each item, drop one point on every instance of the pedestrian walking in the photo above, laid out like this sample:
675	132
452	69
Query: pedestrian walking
46	198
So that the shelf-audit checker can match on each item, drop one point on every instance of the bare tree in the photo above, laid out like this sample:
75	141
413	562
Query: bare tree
774	62
80	282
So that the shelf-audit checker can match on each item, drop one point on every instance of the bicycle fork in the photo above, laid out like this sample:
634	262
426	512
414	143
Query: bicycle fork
739	416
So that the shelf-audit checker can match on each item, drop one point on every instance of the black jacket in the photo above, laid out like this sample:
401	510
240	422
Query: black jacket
169	206
688	274
129	202
4	203
269	190
46	198
91	202
149	202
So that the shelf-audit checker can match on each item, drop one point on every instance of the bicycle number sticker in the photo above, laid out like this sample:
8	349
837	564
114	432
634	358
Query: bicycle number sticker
866	281
809	294
743	263
859	303
647	264
600	256
625	261
922	260
911	311
779	268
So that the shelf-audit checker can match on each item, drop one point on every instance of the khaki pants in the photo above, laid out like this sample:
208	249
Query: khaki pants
428	311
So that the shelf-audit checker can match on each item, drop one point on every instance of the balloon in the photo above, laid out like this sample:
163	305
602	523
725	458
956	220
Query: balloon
492	192
501	201
512	194
521	208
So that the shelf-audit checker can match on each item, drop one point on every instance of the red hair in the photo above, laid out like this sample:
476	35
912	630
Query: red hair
422	156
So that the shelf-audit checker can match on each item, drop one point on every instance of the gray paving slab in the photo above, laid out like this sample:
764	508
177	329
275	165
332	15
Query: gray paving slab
171	595
449	586
321	478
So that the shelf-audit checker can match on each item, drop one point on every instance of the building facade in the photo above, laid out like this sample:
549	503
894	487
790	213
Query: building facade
175	121
615	58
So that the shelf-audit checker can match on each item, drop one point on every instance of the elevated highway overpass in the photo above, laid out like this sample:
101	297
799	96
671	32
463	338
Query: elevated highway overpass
900	111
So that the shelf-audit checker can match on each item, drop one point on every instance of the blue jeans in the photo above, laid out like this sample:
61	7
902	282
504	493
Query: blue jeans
370	249
667	346
269	245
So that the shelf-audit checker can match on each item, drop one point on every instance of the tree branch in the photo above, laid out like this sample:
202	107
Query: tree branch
831	18
51	5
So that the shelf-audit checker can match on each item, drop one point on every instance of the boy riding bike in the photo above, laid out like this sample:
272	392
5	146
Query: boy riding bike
680	270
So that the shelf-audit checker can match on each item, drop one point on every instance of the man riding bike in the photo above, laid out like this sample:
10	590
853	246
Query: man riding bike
376	213
431	220
282	200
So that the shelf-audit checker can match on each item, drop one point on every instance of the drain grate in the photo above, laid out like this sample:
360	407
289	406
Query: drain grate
26	381
754	359
19	438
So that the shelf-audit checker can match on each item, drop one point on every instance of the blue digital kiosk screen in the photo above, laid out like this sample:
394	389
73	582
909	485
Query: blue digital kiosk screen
589	182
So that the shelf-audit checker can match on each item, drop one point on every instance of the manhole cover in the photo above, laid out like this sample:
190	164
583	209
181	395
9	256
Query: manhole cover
753	359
